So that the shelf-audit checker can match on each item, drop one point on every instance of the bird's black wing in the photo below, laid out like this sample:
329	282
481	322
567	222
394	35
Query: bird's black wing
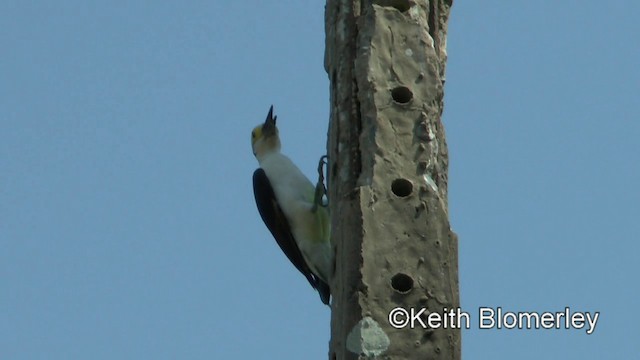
278	224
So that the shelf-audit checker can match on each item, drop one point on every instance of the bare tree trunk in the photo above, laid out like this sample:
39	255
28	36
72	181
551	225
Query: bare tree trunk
388	178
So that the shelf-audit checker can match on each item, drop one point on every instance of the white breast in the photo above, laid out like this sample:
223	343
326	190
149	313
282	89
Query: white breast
291	187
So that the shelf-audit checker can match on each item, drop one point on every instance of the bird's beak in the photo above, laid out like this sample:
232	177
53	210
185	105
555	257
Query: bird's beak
271	120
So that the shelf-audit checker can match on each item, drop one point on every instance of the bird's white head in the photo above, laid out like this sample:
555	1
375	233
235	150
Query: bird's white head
265	138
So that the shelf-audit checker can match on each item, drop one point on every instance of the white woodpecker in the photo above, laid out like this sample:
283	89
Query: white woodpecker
292	208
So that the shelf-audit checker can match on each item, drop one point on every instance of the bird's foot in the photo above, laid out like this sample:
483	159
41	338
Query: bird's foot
321	190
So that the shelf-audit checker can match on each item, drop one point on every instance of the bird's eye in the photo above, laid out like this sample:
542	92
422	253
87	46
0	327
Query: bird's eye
253	134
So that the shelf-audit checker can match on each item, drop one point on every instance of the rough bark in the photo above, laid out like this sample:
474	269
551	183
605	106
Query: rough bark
388	166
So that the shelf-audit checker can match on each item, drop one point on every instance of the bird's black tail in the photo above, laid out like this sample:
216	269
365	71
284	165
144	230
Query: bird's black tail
325	291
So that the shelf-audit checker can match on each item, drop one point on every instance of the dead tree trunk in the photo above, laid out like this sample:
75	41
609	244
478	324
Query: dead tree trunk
388	165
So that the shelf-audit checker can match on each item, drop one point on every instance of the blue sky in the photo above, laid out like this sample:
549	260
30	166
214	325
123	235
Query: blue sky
128	228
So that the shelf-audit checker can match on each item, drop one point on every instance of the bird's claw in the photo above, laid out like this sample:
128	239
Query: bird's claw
321	190
321	163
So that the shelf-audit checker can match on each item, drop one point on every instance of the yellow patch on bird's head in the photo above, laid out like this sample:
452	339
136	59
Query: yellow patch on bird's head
256	134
